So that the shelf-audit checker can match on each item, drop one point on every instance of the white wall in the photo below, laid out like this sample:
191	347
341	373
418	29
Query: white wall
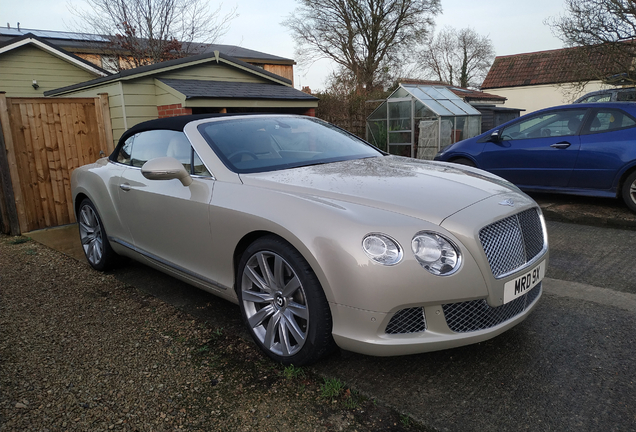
536	97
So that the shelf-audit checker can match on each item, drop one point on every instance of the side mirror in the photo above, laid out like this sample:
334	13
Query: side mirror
166	168
495	136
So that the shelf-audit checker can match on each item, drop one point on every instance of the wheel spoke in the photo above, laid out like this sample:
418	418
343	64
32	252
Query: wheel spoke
297	309
260	316
279	271
98	249
86	239
293	327
291	287
283	336
88	217
87	228
257	297
90	251
256	279
267	272
270	333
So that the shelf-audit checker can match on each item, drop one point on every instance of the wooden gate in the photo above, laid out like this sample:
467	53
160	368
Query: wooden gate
43	140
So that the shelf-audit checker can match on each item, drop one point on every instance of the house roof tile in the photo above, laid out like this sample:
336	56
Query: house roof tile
547	67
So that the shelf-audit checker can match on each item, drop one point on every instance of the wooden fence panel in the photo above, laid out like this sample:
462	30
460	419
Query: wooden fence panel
49	138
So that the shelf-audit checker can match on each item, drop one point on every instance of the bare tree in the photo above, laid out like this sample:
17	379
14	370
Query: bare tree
151	31
365	37
605	33
458	57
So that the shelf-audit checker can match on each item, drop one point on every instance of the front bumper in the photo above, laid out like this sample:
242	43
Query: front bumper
446	326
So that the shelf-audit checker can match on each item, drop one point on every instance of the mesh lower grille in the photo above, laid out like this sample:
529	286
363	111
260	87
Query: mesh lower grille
409	320
512	242
478	315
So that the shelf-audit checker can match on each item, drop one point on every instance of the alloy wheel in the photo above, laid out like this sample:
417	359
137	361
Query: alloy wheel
91	235
275	303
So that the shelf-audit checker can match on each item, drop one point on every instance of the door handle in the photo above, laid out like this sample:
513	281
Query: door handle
124	186
561	145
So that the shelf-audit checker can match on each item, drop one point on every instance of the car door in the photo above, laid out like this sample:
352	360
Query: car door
607	145
168	221
538	150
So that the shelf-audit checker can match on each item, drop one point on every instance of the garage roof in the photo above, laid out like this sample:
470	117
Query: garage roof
193	89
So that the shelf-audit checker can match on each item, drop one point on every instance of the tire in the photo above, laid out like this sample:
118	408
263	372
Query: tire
283	304
464	161
93	237
629	191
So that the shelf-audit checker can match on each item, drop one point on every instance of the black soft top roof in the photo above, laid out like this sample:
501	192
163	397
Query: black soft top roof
168	123
175	123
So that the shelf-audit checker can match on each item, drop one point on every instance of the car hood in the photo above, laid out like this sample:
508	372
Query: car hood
431	191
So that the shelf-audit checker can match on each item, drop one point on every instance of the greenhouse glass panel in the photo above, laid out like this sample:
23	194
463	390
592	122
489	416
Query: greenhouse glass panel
400	93
422	111
448	94
436	107
446	131
376	134
458	132
421	95
433	93
400	115
400	138
400	150
473	127
452	108
379	113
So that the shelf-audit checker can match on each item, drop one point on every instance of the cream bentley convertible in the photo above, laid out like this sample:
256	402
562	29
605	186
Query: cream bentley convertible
320	238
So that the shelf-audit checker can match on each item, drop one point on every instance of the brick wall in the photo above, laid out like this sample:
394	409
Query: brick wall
173	110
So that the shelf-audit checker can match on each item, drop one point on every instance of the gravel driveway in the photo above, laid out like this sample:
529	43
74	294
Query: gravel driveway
82	351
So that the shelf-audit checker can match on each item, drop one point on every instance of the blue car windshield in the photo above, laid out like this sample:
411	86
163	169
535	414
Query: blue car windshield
269	143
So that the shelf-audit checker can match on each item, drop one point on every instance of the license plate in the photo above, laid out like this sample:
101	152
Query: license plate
521	285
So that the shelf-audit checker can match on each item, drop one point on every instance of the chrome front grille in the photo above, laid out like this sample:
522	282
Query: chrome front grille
512	242
411	320
478	315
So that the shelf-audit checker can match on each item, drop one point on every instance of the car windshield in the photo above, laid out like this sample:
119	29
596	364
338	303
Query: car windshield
249	145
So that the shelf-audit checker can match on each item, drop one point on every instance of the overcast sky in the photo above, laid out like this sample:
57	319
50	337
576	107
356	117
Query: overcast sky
514	26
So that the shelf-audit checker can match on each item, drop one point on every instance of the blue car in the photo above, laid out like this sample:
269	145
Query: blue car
580	149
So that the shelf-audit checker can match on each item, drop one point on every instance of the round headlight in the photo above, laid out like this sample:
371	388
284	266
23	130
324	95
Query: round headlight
435	253
382	249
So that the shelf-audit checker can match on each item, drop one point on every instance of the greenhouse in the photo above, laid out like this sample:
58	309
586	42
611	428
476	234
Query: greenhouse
419	120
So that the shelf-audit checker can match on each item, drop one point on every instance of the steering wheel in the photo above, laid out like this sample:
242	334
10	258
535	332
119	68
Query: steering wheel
233	157
546	132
